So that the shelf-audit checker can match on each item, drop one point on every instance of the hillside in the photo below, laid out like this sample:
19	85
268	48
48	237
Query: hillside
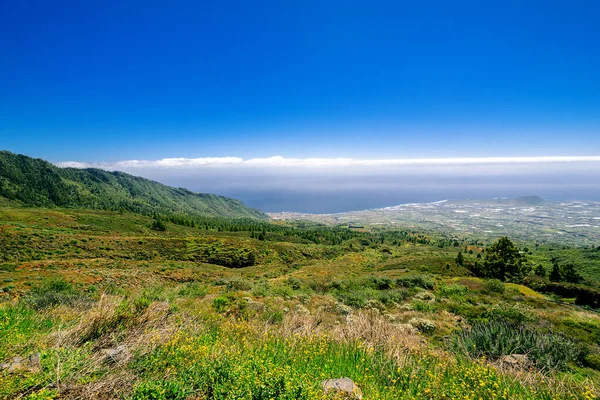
35	182
96	305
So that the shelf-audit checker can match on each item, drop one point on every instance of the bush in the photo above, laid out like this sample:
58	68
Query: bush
261	289
390	297
495	339
584	295
381	283
54	292
415	281
239	284
516	313
222	253
357	298
454	291
422	306
221	303
592	361
193	289
494	286
423	325
294	283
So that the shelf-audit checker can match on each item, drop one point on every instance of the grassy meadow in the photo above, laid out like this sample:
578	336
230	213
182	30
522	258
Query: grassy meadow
116	309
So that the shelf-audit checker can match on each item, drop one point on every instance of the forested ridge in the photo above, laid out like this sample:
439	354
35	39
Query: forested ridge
38	183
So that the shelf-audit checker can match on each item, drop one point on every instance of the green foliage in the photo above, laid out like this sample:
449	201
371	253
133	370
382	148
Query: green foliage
540	271
584	295
36	182
222	253
161	390
53	292
569	273
555	274
453	291
515	313
503	261
460	259
495	339
238	283
193	289
494	286
158	225
221	303
419	281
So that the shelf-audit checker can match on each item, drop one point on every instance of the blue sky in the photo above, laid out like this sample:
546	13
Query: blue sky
100	81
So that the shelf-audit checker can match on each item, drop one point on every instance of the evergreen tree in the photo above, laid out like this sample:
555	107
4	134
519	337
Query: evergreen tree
540	271
460	260
504	261
570	274
555	275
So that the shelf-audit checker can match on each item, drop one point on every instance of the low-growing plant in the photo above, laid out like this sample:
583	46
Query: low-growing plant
415	281
494	339
453	291
54	292
423	306
494	286
193	289
239	284
220	303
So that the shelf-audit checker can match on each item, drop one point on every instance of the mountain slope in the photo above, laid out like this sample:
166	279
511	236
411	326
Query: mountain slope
35	182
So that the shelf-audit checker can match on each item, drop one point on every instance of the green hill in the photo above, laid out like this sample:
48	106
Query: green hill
38	183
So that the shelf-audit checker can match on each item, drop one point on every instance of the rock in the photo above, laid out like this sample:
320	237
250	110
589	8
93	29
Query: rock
345	387
35	363
516	360
116	355
32	364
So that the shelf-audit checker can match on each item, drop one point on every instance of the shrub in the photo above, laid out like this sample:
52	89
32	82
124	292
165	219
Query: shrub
220	303
381	282
425	296
422	306
495	339
237	283
494	286
415	281
294	283
357	298
261	289
222	253
592	361
54	292
515	313
423	325
453	291
390	297
584	295
193	289
160	390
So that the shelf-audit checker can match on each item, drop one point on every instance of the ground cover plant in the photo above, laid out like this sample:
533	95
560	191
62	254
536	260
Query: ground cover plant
238	309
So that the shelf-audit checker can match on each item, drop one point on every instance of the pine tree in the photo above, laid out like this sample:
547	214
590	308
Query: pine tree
555	275
460	260
540	271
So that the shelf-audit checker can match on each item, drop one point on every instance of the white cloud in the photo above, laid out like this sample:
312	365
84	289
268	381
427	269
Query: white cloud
278	161
337	184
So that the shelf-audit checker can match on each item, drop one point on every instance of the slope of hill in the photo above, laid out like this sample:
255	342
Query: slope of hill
35	182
